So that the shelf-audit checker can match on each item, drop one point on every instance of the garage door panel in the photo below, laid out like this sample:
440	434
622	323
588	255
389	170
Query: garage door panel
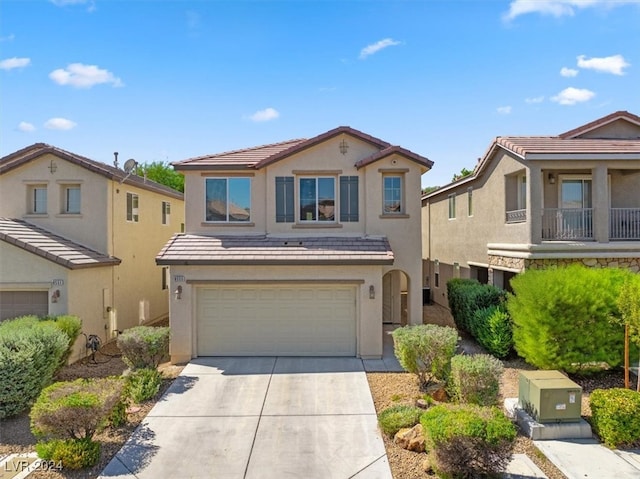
276	320
21	303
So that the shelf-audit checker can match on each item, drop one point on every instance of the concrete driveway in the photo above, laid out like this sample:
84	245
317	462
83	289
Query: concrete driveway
264	417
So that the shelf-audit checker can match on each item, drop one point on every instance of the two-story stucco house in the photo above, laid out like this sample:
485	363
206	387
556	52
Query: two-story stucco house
538	201
80	237
302	247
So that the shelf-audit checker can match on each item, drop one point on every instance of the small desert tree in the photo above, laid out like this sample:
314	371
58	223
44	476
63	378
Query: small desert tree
629	307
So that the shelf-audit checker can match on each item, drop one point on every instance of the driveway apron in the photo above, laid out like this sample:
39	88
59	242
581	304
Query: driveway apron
261	417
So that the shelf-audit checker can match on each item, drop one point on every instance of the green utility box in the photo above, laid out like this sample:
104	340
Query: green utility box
549	396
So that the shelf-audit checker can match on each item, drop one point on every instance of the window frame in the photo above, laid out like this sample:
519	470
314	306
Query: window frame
400	188
315	219
470	201
66	189
34	202
133	215
522	191
228	219
166	212
451	198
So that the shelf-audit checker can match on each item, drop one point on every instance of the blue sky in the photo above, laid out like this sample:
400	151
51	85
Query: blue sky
168	80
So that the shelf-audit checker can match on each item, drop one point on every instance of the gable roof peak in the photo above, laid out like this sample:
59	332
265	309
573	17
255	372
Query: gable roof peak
617	115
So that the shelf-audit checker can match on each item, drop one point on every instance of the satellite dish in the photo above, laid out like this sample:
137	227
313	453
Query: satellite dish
129	165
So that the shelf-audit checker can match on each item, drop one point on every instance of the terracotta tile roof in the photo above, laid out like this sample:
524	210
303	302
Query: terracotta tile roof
527	145
260	156
245	158
191	249
51	246
36	150
618	115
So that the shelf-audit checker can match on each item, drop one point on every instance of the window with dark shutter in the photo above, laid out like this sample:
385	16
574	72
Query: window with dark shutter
349	198
285	201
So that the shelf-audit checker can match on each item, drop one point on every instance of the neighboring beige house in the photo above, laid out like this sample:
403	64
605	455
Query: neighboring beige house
80	237
536	201
297	248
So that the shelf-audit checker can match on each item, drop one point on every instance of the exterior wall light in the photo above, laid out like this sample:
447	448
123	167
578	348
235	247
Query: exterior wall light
372	292
55	296
552	179
178	292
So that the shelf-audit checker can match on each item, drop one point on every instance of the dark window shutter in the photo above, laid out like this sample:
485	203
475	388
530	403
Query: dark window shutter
284	199
348	198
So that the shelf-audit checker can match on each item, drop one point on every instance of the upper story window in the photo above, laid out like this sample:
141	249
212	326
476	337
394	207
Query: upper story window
38	199
317	199
452	206
166	212
71	199
392	195
470	201
132	207
522	192
228	199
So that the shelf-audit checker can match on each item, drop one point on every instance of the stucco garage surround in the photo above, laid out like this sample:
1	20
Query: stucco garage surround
319	297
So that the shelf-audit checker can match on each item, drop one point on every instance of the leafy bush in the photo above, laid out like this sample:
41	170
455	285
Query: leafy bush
468	295
553	308
70	453
425	350
29	356
394	418
493	330
75	409
143	384
144	346
467	440
71	327
475	379
615	416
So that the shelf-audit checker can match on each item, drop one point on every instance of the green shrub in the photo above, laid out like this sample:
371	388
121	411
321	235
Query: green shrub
143	384
29	356
467	440
144	346
70	453
493	330
552	310
425	350
468	295
394	418
615	416
475	379
75	409
71	327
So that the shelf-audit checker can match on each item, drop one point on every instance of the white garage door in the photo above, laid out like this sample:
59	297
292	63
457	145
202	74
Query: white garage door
276	319
22	303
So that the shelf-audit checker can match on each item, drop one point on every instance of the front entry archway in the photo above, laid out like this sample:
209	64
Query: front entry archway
395	297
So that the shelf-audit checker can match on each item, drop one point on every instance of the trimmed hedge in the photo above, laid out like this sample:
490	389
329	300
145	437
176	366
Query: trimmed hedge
466	296
75	409
144	346
615	416
394	418
30	353
493	329
475	379
70	453
425	350
466	440
562	318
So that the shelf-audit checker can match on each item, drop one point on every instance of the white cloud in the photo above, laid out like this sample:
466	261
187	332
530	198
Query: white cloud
568	72
571	96
8	38
534	100
613	64
59	124
25	126
84	76
265	115
11	63
376	47
504	110
558	8
64	3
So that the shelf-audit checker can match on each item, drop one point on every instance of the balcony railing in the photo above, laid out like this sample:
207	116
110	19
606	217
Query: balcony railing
567	224
624	224
516	216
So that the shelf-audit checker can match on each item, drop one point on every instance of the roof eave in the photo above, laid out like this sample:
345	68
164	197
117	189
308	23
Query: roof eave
254	262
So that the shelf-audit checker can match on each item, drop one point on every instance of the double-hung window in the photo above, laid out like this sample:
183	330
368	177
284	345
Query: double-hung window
228	200
317	199
132	207
38	199
166	212
452	206
71	199
392	199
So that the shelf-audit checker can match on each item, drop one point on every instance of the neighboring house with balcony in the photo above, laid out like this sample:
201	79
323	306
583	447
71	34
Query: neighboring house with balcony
80	237
539	201
297	248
